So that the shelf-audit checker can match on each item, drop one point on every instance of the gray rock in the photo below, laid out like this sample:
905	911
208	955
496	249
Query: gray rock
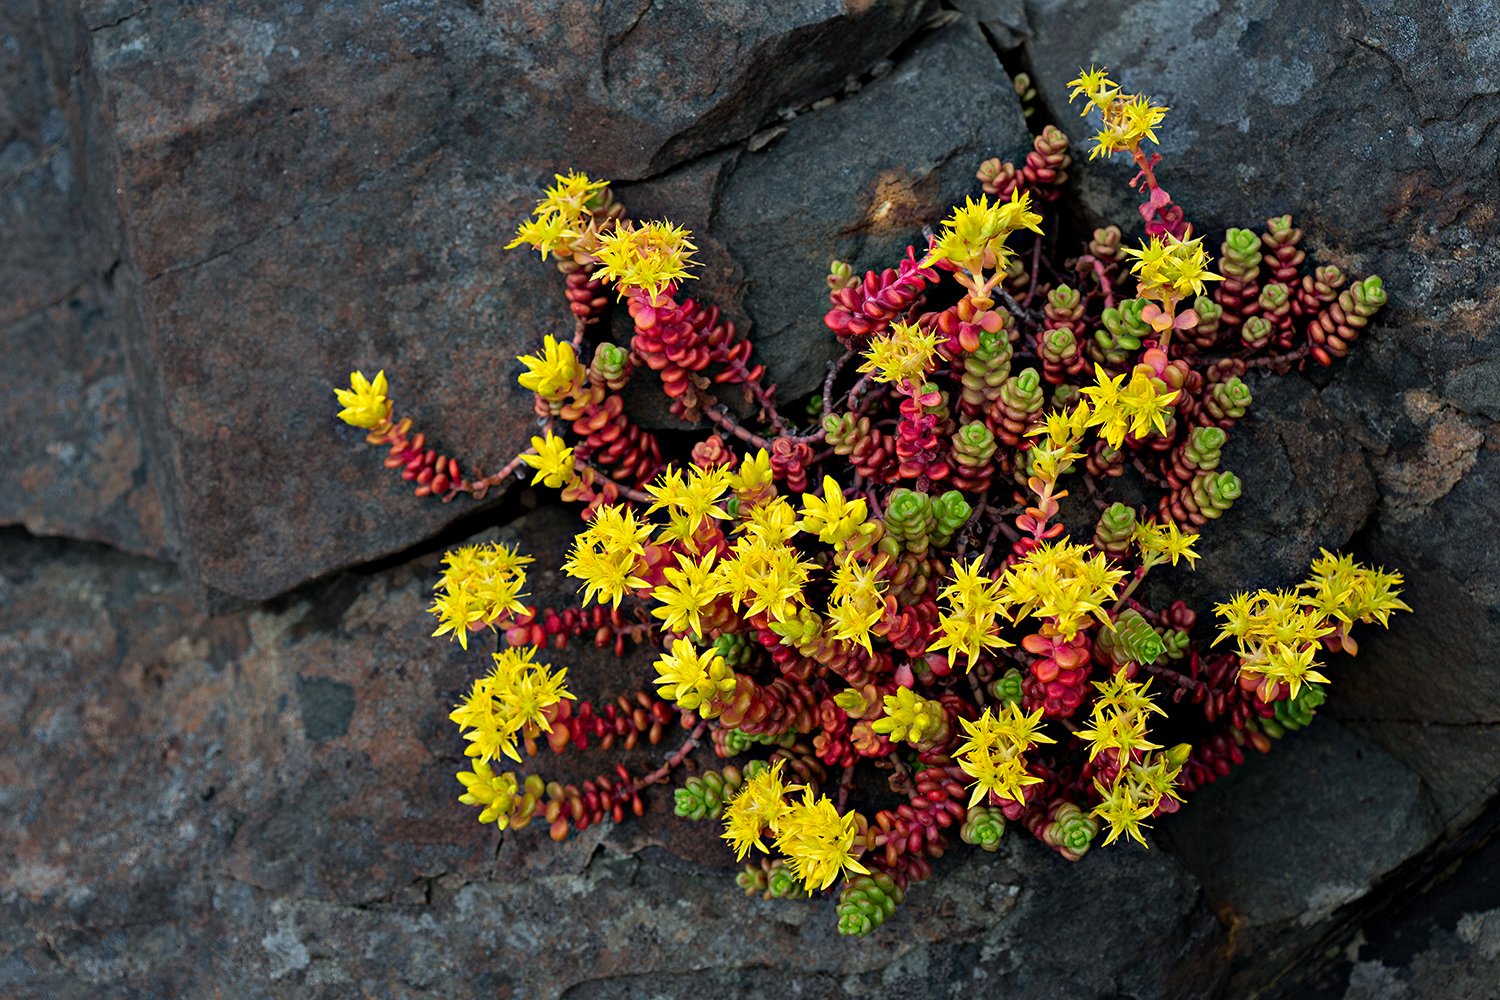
180	812
311	190
42	259
848	183
71	461
836	182
1305	485
1372	124
1435	936
307	103
1286	841
1463	964
1004	21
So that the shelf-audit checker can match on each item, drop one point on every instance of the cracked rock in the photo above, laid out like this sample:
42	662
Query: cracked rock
1375	124
856	182
71	461
1286	841
265	798
314	189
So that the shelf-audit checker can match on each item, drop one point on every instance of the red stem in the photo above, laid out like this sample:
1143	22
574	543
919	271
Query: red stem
1102	273
677	757
1036	263
728	423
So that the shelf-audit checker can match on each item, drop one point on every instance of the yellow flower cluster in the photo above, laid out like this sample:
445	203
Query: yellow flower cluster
1277	633
1342	589
1128	119
992	750
553	461
1170	270
1061	432
689	500
1276	636
752	484
499	795
756	808
1117	409
836	520
1138	791
817	842
686	593
693	678
969	625
479	584
759	574
1163	542
515	694
364	402
1120	716
647	258
766	577
554	373
909	718
773	521
1119	722
562	219
902	355
1062	582
608	553
973	237
858	601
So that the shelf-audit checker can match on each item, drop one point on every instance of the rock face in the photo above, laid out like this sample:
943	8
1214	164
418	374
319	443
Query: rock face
849	183
1372	124
72	461
314	189
280	781
836	181
1282	845
213	212
1443	944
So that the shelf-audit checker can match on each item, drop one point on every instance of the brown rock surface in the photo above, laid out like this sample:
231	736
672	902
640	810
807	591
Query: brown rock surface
1374	124
263	803
313	189
71	458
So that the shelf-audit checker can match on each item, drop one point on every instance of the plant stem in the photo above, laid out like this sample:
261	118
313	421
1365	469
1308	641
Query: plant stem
677	757
718	415
1102	274
1140	574
479	487
1274	360
625	491
1036	263
834	367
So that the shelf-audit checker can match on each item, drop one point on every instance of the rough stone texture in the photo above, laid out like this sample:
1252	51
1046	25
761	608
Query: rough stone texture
265	799
1306	487
1458	964
1440	942
1375	124
837	182
71	462
1004	21
854	185
1285	842
262	802
310	189
40	257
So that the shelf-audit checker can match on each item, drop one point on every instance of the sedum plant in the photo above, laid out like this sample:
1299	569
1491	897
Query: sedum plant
911	611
